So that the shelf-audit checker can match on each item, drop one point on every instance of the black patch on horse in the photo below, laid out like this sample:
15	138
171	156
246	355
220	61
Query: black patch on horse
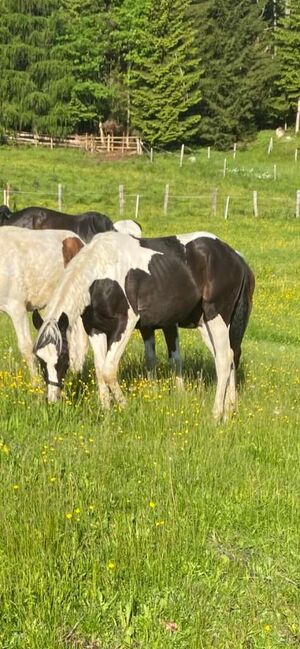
108	311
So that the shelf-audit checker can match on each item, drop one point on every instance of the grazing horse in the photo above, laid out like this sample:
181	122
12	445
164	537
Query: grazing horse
118	283
31	265
86	225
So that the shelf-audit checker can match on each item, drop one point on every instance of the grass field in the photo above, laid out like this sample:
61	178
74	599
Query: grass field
152	527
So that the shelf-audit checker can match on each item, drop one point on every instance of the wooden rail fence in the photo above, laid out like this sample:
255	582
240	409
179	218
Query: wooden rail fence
124	144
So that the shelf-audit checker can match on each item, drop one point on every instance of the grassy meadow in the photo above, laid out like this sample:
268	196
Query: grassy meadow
151	527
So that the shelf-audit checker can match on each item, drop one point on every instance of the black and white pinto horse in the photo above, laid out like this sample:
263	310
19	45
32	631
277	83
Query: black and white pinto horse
86	226
118	283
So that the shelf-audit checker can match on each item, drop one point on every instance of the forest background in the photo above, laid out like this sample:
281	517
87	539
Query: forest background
196	71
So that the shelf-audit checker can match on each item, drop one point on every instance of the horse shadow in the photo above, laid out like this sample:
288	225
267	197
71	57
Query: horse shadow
195	370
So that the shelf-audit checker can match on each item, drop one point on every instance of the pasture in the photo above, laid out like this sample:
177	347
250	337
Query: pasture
151	526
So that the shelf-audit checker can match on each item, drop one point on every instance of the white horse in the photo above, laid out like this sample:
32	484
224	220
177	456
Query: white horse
31	265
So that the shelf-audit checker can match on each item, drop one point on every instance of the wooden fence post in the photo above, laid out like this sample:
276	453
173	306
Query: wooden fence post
224	167
296	155
4	197
298	204
121	199
137	202
234	150
226	208
255	208
59	197
214	198
208	152
166	199
275	172
181	155
151	154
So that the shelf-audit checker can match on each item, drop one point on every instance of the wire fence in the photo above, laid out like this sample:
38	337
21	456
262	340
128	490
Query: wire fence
217	202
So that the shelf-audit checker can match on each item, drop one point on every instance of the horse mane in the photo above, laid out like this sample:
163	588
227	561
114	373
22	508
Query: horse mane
49	333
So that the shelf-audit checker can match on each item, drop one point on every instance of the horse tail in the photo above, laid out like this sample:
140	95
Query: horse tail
241	313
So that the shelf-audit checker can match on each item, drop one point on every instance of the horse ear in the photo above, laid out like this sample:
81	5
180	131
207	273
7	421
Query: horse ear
37	319
63	322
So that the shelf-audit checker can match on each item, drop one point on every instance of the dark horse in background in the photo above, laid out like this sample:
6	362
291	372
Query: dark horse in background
86	226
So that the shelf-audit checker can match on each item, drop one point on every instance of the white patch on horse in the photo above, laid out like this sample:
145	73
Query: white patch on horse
113	356
187	238
31	266
50	356
215	334
127	226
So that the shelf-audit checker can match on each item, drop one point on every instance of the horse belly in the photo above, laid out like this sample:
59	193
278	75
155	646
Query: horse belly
168	302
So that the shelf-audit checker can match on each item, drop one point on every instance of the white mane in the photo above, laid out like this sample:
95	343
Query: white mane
49	333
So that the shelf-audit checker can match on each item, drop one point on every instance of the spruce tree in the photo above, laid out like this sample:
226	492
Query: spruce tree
287	39
84	45
164	73
238	68
35	85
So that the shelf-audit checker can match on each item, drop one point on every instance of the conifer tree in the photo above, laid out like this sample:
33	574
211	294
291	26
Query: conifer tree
35	87
84	46
238	68
287	39
164	73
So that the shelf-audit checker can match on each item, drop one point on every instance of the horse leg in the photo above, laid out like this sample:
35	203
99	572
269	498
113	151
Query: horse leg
21	325
117	346
78	346
172	341
99	345
148	335
215	334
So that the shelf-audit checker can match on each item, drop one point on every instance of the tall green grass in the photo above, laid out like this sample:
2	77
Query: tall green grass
152	527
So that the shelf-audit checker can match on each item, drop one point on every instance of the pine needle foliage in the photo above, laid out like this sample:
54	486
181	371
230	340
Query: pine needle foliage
287	39
165	74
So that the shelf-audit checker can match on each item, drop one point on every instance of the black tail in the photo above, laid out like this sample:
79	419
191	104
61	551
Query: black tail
241	313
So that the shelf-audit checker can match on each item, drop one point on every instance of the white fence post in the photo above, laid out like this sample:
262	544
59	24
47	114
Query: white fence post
298	204
270	147
4	197
214	198
166	199
224	167
7	194
137	202
296	155
208	152
234	150
151	154
226	208
181	155
121	199
59	197
255	208
275	172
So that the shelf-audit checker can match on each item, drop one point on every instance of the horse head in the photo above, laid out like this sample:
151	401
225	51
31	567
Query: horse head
52	351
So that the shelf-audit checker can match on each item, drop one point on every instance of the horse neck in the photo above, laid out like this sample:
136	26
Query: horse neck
71	296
